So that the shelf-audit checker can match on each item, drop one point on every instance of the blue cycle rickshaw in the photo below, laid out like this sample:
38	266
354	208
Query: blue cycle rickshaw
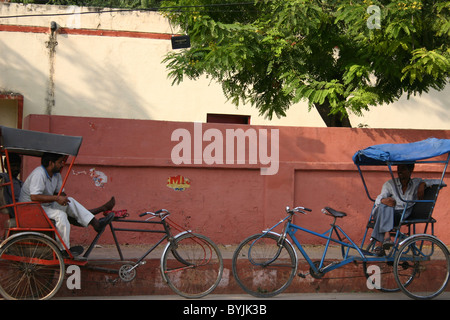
418	264
406	233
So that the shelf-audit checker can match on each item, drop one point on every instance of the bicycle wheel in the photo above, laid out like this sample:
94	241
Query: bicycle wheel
31	267
192	265
421	267
261	267
387	281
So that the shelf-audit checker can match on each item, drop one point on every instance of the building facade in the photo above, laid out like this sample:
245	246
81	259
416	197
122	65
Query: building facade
98	63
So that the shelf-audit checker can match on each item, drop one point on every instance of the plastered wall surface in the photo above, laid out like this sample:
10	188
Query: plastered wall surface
134	161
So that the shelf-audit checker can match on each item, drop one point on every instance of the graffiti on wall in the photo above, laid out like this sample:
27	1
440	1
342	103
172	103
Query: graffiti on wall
98	177
178	183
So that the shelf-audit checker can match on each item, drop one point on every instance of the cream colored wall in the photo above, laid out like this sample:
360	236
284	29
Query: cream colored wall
8	113
122	77
429	111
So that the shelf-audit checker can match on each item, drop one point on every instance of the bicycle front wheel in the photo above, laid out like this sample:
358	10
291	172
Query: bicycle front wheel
192	265
422	267
31	267
262	267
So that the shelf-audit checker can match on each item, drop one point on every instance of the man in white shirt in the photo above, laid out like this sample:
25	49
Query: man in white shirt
389	206
43	185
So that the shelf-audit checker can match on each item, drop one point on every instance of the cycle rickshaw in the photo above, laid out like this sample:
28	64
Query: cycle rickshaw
32	263
418	264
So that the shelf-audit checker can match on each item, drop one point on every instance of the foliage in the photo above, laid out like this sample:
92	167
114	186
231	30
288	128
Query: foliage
97	3
274	53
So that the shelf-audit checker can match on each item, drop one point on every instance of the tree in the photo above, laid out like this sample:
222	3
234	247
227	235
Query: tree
142	4
341	56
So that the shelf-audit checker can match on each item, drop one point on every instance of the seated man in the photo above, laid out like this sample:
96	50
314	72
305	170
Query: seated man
43	185
388	205
15	162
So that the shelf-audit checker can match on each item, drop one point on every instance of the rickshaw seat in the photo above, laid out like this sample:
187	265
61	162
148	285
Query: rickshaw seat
11	223
422	210
31	215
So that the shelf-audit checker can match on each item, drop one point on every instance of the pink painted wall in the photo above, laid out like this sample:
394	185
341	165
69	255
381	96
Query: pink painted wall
229	202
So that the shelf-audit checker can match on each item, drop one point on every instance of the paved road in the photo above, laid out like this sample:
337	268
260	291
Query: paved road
282	297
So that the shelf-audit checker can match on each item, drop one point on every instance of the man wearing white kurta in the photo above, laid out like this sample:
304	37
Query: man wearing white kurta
43	185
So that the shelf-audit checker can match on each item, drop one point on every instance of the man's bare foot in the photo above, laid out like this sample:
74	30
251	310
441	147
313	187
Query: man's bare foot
108	206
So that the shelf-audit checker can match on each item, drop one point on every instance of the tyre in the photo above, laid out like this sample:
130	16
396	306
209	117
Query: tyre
421	267
262	267
192	265
31	267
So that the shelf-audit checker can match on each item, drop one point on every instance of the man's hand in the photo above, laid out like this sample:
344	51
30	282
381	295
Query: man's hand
421	191
62	200
390	202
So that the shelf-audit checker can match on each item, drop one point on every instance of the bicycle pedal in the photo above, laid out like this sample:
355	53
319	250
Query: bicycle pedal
303	275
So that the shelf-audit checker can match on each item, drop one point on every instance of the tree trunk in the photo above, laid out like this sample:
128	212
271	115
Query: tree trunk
332	120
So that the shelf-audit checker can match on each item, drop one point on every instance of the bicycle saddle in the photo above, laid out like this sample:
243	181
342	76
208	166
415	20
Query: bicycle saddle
334	213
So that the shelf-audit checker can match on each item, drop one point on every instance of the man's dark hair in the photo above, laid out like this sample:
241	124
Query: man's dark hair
47	157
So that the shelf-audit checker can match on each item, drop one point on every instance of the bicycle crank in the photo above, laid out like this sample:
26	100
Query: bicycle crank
127	272
316	274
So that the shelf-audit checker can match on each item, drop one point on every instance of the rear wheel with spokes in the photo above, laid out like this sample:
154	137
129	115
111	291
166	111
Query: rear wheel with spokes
422	267
31	267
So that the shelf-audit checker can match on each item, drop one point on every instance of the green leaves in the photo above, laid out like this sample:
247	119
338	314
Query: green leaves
426	63
272	54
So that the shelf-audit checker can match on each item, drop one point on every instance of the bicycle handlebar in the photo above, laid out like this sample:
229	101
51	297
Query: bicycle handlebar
160	213
298	209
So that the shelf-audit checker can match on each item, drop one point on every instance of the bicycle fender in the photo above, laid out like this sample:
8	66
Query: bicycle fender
27	233
164	252
285	239
421	235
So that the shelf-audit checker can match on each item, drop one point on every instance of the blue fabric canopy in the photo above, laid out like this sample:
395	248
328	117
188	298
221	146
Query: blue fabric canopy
402	152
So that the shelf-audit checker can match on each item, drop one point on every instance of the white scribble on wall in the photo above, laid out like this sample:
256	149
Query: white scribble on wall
98	177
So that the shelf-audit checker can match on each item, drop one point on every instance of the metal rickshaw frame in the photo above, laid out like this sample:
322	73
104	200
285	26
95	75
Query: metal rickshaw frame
428	151
31	221
280	245
34	143
388	155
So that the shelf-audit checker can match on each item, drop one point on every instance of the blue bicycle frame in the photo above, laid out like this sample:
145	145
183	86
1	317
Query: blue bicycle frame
291	229
365	158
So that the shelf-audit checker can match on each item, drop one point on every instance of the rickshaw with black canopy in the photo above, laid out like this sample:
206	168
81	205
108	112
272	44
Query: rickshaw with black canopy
31	237
32	264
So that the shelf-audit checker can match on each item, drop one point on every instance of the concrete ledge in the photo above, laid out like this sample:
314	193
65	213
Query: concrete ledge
148	281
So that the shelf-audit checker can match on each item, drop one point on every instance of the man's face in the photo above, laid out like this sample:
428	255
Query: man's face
404	172
57	165
15	169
